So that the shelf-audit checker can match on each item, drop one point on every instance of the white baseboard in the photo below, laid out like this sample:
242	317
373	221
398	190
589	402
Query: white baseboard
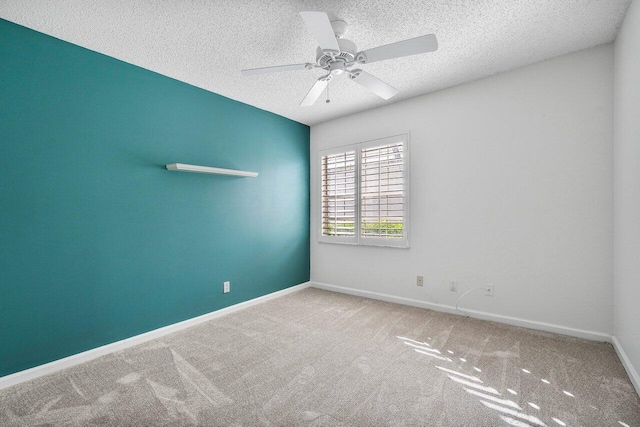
531	324
85	356
631	371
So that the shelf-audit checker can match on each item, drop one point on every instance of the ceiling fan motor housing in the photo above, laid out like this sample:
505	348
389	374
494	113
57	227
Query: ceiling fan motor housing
347	54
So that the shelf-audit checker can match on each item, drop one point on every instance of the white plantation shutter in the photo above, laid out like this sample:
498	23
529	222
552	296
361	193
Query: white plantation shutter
365	194
382	191
339	195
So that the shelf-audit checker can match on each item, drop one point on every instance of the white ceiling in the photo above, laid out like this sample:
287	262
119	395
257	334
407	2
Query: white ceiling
207	43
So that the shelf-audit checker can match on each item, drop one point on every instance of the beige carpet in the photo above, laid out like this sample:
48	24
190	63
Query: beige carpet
319	358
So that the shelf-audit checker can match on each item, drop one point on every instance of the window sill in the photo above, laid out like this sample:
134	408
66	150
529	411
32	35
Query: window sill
374	245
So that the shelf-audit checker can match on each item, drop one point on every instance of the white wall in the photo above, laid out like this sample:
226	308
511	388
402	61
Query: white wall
627	186
511	184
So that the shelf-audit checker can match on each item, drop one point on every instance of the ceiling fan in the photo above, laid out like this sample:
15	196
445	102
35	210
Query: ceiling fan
337	55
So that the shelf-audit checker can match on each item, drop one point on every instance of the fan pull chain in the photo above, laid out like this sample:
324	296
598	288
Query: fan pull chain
328	100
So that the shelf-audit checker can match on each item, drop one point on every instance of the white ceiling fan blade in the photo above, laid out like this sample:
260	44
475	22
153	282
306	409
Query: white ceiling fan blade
276	69
320	27
374	84
314	93
422	44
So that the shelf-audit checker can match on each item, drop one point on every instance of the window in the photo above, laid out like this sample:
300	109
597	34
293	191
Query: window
364	193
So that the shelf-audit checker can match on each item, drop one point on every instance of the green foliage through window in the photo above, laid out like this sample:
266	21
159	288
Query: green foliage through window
381	229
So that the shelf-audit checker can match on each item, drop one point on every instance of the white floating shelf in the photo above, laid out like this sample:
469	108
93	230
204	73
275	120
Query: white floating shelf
206	169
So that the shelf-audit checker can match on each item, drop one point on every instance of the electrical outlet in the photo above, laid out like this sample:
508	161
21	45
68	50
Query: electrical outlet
420	281
226	287
453	286
489	290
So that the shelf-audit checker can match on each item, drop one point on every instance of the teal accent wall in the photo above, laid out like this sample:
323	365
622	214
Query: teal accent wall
98	241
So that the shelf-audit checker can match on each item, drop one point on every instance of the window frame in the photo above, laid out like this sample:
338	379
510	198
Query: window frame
358	239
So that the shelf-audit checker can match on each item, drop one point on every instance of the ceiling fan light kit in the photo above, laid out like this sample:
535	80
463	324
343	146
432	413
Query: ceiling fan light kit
337	55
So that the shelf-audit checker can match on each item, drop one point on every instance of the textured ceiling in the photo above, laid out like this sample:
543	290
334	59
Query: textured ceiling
207	43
